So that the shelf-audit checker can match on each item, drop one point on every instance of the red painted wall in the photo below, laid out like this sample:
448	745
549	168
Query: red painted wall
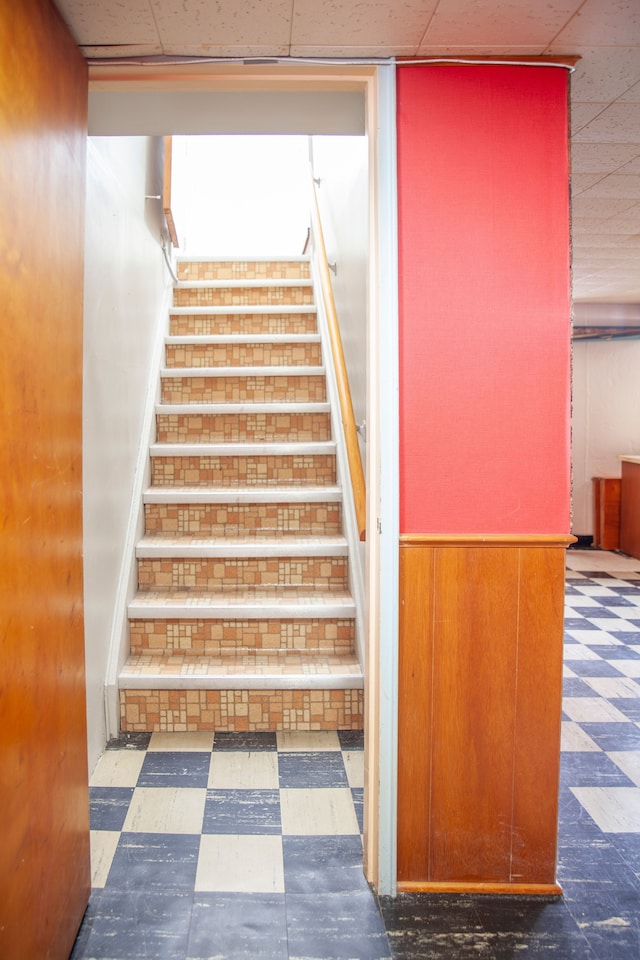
484	299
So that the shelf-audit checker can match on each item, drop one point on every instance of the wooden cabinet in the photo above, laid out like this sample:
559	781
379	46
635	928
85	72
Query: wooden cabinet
630	506
606	513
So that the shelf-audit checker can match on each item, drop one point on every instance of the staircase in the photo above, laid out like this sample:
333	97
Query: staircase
243	619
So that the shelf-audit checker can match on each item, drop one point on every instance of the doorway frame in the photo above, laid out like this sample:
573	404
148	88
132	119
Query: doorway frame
376	81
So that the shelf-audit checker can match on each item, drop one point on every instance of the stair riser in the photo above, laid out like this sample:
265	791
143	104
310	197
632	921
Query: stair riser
258	389
242	296
217	637
174	711
243	270
242	519
242	427
243	355
327	574
185	325
244	471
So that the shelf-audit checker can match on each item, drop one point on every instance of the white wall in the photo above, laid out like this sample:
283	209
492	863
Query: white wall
606	417
341	163
125	282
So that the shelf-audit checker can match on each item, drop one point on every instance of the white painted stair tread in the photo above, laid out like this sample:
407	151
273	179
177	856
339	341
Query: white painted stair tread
239	284
198	339
243	670
266	448
254	546
234	495
245	309
269	371
283	406
245	604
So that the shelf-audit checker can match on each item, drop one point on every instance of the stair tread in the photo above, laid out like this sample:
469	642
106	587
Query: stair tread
258	545
245	309
239	284
282	406
204	339
279	601
243	449
295	370
243	669
233	495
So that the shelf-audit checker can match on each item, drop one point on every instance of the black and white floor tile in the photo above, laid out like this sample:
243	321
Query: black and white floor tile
242	845
249	846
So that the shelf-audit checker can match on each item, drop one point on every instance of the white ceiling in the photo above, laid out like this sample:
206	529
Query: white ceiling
605	87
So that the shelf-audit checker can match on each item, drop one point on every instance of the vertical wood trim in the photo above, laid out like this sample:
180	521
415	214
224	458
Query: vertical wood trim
415	679
536	762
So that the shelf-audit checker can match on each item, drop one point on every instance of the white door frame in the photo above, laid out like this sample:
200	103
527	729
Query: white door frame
377	82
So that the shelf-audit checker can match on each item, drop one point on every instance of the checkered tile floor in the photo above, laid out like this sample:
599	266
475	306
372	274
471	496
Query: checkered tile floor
242	845
249	846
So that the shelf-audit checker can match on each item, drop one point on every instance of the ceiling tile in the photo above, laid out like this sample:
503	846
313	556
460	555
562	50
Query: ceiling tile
602	75
503	22
602	23
369	24
603	157
616	185
600	208
633	93
226	23
109	22
634	165
121	52
584	113
367	52
480	50
619	123
621	226
582	181
605	242
227	50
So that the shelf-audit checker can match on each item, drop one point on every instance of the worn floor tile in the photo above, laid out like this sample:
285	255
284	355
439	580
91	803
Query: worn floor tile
240	864
166	810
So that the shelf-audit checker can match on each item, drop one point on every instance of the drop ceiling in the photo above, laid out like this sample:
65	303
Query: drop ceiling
605	86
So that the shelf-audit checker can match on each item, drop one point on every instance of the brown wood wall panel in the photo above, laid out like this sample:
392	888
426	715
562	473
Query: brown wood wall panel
415	681
472	741
479	713
44	864
539	708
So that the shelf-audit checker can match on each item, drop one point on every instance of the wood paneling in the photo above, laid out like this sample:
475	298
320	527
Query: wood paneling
479	712
44	863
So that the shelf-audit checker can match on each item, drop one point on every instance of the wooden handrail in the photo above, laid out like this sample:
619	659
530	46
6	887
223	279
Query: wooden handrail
342	380
166	190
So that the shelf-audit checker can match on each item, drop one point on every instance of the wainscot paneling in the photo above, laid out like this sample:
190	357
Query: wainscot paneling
480	692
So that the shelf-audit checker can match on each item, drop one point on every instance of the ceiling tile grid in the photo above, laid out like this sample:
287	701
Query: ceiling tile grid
605	85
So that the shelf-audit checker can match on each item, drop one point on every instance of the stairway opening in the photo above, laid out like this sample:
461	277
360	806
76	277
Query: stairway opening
106	284
244	617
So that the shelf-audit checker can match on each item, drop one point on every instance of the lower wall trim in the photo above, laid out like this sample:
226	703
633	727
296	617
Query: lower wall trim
516	889
562	541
